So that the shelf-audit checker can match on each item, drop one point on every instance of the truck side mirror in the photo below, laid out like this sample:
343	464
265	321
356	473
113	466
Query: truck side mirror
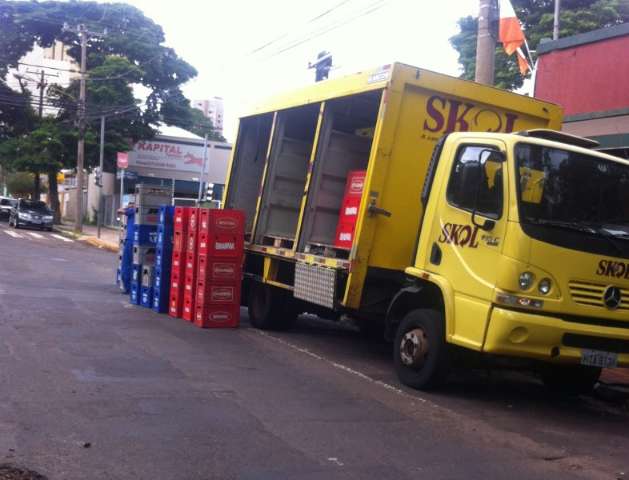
485	155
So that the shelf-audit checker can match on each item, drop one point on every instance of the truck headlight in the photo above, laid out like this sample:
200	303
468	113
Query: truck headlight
526	280
544	286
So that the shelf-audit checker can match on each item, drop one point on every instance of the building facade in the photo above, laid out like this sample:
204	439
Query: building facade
212	109
585	74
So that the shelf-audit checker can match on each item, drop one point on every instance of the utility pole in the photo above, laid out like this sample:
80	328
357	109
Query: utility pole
485	44
83	33
556	22
202	169
99	219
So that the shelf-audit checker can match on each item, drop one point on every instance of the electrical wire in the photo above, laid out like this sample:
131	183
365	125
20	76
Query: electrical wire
375	6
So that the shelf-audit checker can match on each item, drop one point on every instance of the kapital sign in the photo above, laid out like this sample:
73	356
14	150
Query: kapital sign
447	115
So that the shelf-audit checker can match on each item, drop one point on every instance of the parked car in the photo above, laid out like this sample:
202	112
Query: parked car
6	204
31	213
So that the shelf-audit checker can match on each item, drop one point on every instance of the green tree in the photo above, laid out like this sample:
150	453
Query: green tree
537	16
130	52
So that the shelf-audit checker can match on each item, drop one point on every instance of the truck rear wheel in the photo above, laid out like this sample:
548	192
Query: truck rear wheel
570	379
271	308
420	352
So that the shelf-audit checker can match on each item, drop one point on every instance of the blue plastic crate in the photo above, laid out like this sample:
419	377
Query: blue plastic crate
160	302
166	214
136	274
135	293
146	299
145	235
164	238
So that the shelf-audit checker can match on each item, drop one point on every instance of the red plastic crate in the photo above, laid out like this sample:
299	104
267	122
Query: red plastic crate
175	304
219	270
217	316
181	219
191	242
344	235
193	219
349	210
222	221
207	293
225	245
191	262
355	183
180	241
187	312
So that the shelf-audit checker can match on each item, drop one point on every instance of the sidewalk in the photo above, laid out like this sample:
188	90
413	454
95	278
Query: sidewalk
109	237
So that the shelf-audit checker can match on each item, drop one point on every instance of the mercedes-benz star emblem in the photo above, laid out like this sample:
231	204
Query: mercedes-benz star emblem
612	297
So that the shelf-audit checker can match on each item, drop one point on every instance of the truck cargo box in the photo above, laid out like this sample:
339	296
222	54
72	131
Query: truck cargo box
292	158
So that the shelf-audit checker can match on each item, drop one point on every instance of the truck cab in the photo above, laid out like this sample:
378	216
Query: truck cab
523	252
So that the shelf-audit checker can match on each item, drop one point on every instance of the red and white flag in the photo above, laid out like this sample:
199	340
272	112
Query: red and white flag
511	34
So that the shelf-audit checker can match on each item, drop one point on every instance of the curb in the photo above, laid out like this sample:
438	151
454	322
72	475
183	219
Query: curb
90	240
96	242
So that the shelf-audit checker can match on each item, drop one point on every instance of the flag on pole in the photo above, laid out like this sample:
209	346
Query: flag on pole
511	35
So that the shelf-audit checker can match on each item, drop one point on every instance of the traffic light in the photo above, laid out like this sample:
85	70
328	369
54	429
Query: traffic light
209	193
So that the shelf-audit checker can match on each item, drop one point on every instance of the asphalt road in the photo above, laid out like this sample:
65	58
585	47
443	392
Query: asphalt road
93	388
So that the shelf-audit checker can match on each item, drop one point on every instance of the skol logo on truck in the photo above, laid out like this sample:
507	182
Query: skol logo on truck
447	115
459	235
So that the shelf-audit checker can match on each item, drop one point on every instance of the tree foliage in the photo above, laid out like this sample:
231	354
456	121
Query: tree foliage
126	50
537	17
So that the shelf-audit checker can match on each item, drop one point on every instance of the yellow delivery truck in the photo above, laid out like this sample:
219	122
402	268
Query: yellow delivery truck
446	211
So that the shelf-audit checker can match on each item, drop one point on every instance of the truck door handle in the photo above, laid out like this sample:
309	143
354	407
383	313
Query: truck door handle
373	210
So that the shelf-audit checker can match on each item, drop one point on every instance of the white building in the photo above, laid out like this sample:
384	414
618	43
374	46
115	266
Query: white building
212	109
58	67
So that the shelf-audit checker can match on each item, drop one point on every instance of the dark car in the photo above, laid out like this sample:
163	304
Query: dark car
31	213
6	204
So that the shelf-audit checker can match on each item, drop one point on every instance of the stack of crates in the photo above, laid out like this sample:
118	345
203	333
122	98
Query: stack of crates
163	259
177	268
220	247
349	210
190	270
125	254
148	201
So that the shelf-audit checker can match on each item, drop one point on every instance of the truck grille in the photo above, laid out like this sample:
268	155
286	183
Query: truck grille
586	293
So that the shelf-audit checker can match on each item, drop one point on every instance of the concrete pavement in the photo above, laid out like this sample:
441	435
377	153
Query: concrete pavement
95	388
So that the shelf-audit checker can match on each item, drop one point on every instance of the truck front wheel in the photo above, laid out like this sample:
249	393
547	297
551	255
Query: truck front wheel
570	380
271	308
420	350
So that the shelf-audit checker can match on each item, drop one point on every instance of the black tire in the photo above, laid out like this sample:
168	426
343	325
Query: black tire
570	380
271	308
424	365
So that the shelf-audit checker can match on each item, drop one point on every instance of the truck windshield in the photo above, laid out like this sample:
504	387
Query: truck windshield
566	190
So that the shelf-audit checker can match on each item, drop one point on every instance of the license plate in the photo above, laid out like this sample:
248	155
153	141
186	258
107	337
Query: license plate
596	358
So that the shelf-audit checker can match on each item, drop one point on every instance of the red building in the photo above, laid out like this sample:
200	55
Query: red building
587	75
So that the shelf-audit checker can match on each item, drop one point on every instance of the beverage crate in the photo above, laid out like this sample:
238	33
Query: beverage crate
136	274
225	245
166	214
175	303
145	235
160	300
181	219
153	195
147	215
143	255
217	316
222	221
146	299
147	275
187	312
208	293
180	241
135	293
219	270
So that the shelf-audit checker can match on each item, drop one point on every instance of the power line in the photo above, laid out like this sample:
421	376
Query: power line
312	20
370	9
46	66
